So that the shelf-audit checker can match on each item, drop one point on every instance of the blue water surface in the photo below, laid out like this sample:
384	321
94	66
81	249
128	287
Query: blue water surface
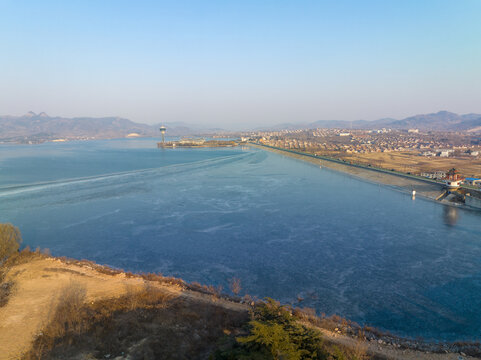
283	226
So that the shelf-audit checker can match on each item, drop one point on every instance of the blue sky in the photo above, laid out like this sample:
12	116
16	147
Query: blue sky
238	64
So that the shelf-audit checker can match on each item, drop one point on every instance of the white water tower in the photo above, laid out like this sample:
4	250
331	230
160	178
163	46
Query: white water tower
162	131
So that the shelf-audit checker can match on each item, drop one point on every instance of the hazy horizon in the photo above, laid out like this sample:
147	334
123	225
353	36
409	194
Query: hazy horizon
230	127
240	64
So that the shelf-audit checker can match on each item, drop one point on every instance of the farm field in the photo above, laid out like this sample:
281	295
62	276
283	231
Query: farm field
412	162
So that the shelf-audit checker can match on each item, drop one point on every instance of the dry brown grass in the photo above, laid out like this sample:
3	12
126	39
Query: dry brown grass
70	316
146	297
144	320
22	257
17	258
141	321
360	349
146	323
6	289
412	162
65	314
235	286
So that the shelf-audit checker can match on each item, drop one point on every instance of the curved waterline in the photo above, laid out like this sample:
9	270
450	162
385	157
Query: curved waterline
285	228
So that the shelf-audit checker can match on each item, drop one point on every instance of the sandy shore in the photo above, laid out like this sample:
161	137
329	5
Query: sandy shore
425	189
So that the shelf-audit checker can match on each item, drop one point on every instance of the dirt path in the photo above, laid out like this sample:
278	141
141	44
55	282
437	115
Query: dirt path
385	351
39	281
37	284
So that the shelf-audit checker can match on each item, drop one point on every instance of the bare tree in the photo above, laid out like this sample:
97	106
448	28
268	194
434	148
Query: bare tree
10	240
235	286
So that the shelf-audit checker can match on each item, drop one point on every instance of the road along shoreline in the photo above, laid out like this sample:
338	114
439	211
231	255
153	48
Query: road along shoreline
404	183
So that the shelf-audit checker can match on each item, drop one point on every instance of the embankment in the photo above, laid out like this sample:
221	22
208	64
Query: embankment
404	183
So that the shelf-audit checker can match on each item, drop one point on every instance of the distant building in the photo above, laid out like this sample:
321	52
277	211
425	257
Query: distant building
472	152
413	131
344	134
132	135
453	179
437	175
428	153
186	141
445	153
472	181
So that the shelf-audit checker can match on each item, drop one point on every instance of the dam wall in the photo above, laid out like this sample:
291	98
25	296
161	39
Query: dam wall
474	202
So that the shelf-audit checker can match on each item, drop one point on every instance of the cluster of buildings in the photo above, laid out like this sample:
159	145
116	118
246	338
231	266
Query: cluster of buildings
340	142
436	175
451	152
369	141
452	178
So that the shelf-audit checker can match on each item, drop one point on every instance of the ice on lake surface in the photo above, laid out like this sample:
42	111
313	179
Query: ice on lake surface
284	227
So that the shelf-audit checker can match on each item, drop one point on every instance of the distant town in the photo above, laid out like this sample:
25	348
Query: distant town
425	153
414	145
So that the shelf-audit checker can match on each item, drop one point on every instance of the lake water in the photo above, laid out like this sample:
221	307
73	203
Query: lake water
284	227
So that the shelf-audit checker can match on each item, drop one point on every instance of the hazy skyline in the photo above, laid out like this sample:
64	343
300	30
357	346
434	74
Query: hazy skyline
240	64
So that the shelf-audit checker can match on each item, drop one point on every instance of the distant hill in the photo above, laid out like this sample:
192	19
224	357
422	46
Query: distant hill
42	127
440	121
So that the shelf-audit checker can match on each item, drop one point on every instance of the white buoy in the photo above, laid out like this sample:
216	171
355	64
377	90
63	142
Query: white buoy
414	194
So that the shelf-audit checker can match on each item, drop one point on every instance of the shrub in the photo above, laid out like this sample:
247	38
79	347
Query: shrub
145	323
65	315
10	240
5	290
274	338
235	286
146	296
274	333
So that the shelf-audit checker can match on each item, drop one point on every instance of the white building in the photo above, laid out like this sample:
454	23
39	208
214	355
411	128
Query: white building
428	153
437	175
445	153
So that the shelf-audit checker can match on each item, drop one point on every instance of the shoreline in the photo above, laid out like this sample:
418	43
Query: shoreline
37	278
426	189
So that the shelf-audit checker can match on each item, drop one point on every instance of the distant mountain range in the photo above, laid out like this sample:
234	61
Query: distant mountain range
440	121
41	127
32	126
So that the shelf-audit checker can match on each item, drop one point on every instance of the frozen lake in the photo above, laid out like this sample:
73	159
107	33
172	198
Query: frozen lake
284	227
